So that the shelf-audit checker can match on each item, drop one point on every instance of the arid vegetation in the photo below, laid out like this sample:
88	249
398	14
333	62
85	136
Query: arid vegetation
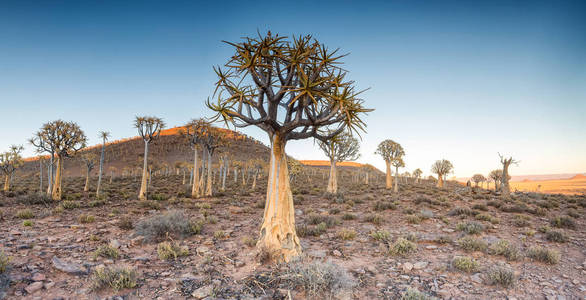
205	212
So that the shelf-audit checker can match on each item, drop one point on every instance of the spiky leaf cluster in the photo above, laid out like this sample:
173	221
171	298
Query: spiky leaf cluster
442	167
390	150
11	160
59	137
290	87
341	147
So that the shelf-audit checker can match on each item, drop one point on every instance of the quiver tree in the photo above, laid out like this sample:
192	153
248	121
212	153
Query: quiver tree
149	129
398	163
417	174
104	135
441	168
194	132
478	178
290	88
496	176
506	162
89	160
64	139
10	161
342	147
390	151
210	138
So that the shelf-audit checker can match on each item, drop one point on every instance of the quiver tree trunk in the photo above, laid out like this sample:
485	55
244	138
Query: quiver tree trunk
7	183
389	184
224	176
505	180
209	184
87	181
56	193
195	174
366	178
333	180
277	235
50	176
142	195
98	187
396	179
254	180
440	181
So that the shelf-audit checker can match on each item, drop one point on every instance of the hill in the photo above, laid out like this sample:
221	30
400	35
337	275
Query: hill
126	155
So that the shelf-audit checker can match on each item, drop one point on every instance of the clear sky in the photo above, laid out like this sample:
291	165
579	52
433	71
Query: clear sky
455	80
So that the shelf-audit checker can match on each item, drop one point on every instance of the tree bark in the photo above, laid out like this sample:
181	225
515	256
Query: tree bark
333	180
195	185
505	180
254	180
209	184
50	176
40	176
87	181
101	170
7	183
142	195
56	193
440	181
278	235
389	178
224	175
396	179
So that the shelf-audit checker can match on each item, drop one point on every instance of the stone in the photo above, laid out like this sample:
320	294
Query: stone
202	250
337	253
137	240
239	264
407	267
202	292
431	247
68	267
33	287
115	244
476	278
38	277
420	265
49	285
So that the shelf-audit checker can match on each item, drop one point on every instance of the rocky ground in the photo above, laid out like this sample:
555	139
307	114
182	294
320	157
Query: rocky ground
366	243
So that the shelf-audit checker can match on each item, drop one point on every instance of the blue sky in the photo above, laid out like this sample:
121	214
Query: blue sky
454	80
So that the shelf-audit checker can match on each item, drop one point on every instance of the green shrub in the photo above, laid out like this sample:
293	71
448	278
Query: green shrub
347	234
106	251
563	222
174	223
27	223
374	219
125	223
402	247
4	262
167	250
465	264
380	235
86	219
556	236
500	275
469	244
115	278
413	219
25	214
68	204
521	220
470	227
315	219
413	294
461	211
506	249
541	254
320	280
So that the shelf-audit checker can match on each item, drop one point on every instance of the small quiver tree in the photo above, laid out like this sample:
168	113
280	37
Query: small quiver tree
398	163
478	178
10	161
417	174
390	151
64	139
89	162
341	147
441	168
506	162
149	129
